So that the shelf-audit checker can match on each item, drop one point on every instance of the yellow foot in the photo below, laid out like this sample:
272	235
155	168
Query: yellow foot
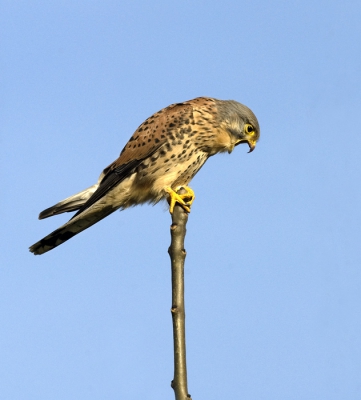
185	200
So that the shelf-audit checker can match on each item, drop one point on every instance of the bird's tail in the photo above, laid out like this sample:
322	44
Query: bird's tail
71	203
76	225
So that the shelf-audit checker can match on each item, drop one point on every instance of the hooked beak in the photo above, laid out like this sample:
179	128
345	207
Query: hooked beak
251	144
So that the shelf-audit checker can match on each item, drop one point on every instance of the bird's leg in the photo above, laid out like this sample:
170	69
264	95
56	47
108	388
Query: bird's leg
185	200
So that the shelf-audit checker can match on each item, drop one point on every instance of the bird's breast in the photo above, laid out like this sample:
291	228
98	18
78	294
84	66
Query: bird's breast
171	166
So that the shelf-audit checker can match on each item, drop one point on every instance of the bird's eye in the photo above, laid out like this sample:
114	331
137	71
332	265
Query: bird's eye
249	128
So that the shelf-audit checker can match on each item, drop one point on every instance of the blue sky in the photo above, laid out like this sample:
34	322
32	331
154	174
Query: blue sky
273	273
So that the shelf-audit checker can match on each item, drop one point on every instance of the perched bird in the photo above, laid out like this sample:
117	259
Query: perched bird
163	155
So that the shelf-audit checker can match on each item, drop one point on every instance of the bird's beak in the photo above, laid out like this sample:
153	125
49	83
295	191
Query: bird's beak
252	145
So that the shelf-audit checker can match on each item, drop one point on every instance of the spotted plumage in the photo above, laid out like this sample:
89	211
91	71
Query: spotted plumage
164	153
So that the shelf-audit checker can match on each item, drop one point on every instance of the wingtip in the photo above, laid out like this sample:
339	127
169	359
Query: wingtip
49	212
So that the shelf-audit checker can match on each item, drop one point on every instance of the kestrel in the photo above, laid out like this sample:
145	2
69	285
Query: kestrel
163	155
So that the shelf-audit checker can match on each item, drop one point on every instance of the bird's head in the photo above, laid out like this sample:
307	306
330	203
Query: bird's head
240	123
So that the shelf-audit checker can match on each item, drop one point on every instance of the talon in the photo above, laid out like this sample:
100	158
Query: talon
184	200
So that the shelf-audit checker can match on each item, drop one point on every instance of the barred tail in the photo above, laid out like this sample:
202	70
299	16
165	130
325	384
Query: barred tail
76	225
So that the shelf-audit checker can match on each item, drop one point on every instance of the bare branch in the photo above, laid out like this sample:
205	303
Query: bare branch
177	254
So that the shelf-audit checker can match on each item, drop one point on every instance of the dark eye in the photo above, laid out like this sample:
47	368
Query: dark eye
250	128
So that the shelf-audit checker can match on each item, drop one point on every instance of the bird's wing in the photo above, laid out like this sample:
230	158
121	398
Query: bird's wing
146	140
